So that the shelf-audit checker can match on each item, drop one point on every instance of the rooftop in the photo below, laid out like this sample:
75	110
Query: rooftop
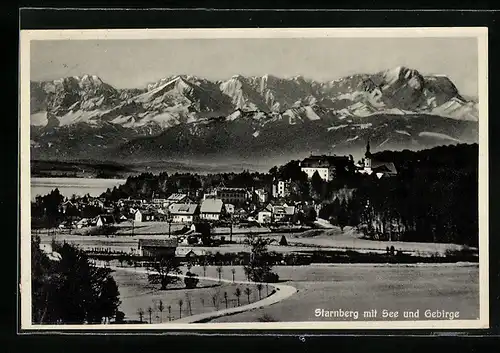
159	243
183	208
211	206
177	197
324	161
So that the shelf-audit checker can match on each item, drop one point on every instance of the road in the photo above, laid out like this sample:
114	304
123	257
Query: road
282	292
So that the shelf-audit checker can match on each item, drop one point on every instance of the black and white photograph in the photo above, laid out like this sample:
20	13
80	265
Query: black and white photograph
254	178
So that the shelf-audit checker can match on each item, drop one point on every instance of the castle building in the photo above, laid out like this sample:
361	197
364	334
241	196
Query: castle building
328	167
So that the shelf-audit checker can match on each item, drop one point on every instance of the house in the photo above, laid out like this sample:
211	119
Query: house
264	216
160	202
283	213
211	209
328	167
104	219
228	208
261	195
157	247
184	212
188	253
84	222
144	216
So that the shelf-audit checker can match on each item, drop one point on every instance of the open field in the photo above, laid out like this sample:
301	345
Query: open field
319	239
365	287
136	293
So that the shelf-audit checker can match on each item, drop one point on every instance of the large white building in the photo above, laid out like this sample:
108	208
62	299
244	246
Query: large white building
328	167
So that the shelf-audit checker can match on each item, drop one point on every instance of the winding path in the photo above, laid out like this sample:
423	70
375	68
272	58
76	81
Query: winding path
282	291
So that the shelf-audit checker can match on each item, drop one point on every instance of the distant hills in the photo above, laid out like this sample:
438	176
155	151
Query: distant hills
246	118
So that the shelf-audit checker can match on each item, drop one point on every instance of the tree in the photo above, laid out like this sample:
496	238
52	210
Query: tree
69	289
140	312
237	293
342	216
161	308
233	271
225	298
204	268
150	312
248	291
317	184
180	302
259	288
164	271
259	267
283	241
219	270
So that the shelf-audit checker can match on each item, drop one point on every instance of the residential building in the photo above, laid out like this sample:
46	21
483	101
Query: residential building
283	213
104	219
144	216
264	216
184	212
229	208
211	209
261	195
157	247
231	195
328	167
177	198
281	188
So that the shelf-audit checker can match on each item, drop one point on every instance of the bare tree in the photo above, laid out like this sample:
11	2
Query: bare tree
140	312
169	313
180	302
150	311
233	271
225	298
237	293
161	308
259	288
188	300
215	300
248	291
204	268
219	272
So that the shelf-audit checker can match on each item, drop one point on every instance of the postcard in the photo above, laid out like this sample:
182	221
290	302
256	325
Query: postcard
293	178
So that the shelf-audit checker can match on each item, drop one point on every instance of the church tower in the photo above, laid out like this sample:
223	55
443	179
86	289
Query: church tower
368	157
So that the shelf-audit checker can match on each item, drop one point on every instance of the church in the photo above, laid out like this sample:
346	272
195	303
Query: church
370	165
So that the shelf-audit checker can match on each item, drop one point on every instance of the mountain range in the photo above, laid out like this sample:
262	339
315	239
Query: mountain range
246	118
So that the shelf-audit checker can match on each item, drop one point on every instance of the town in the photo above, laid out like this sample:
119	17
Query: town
272	207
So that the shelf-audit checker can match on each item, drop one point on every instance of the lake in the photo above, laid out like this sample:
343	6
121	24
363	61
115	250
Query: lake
70	186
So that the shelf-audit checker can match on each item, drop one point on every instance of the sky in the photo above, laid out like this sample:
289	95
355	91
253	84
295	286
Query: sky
129	63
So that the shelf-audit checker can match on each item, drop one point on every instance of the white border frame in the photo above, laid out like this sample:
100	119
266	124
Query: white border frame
481	33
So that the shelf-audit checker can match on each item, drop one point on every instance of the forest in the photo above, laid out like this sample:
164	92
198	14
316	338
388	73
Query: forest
434	198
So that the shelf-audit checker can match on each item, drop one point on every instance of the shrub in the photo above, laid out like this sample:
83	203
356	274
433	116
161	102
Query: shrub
191	280
271	277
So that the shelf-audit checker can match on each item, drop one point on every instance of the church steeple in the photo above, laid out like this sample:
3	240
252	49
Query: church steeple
368	153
